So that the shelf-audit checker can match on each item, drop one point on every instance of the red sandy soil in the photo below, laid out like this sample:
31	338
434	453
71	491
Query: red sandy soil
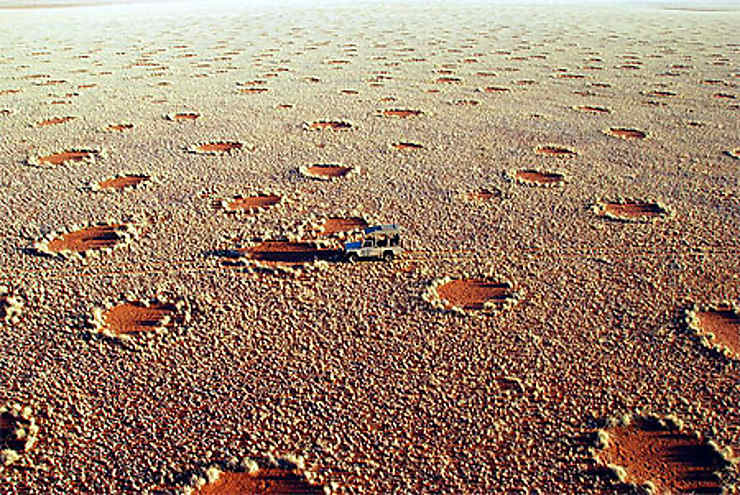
486	74
221	146
286	253
449	80
285	105
407	146
473	293
120	127
256	82
401	113
66	156
123	182
53	121
51	83
329	170
555	151
635	210
186	116
253	90
480	195
86	86
675	462
571	76
331	124
264	482
96	237
724	324
538	177
592	109
9	91
135	317
251	203
627	133
335	225
338	62
494	89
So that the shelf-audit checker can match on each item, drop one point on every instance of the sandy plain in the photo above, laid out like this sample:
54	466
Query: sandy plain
455	122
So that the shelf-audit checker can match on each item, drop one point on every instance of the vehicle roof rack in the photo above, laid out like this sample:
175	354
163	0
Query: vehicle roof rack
382	228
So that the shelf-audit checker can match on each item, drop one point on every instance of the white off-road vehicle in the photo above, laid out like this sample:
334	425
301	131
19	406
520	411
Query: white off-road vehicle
380	242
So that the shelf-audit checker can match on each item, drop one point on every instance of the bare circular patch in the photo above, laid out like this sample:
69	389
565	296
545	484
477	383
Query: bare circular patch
448	80
326	171
18	432
495	89
654	454
182	117
471	294
406	145
592	109
533	177
101	237
718	327
632	210
251	204
54	121
401	113
335	225
131	318
465	103
217	147
626	133
253	90
122	182
64	157
481	195
332	125
286	253
119	127
558	151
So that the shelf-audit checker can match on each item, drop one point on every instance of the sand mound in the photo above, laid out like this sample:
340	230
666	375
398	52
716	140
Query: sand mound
554	150
18	432
326	171
72	155
182	117
121	182
11	307
133	318
119	127
406	145
718	327
632	210
626	133
283	476
217	147
654	454
592	109
531	177
332	125
401	113
251	204
87	240
54	121
471	294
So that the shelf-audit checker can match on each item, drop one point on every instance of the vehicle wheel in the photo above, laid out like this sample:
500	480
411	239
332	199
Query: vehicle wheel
388	256
352	258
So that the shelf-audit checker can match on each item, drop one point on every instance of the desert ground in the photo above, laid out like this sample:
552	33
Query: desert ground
177	182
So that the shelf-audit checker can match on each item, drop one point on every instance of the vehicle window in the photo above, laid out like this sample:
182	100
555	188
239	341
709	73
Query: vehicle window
369	243
383	242
395	240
